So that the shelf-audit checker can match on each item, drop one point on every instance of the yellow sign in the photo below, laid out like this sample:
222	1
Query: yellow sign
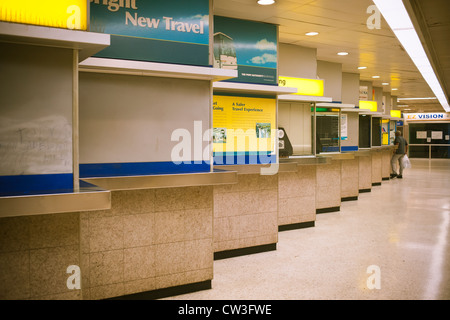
396	113
243	125
66	14
368	105
305	87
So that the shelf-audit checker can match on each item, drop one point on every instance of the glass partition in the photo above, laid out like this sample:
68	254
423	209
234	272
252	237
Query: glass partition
296	125
385	134
365	125
392	130
429	140
376	132
328	130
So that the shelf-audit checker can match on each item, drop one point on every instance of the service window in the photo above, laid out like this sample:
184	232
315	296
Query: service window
296	123
385	132
392	129
328	130
376	132
365	124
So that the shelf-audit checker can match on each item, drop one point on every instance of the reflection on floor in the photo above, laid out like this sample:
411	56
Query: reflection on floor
393	243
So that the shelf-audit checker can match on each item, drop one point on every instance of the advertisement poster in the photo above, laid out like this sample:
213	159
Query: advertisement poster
364	93
421	135
344	127
171	31
244	130
247	46
437	135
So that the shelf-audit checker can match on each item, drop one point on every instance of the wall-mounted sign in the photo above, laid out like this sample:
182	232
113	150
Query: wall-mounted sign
171	31
344	127
363	93
396	113
244	130
65	14
305	87
369	105
426	116
247	46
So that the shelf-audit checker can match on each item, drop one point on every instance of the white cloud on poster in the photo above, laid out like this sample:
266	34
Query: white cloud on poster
265	45
265	58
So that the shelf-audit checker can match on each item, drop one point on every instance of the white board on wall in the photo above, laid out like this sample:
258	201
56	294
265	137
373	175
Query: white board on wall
39	146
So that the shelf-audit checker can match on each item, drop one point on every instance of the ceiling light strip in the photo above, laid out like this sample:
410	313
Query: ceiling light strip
395	14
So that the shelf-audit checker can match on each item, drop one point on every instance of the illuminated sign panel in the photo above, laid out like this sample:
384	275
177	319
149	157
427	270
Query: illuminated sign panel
244	127
369	105
169	31
305	87
65	14
427	116
396	113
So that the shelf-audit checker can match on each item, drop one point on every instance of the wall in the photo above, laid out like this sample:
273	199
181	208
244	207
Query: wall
245	214
352	130
35	252
295	118
379	98
127	119
150	239
332	74
350	88
296	61
36	114
388	106
369	86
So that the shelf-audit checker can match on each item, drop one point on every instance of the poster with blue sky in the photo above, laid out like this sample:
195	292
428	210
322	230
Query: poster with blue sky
247	46
171	31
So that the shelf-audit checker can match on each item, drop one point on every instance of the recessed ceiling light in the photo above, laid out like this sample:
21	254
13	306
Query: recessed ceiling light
394	89
385	84
265	2
311	34
342	53
362	68
376	77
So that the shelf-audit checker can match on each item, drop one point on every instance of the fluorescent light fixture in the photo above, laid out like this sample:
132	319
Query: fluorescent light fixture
342	53
266	2
431	98
394	89
385	84
362	68
376	77
395	14
310	34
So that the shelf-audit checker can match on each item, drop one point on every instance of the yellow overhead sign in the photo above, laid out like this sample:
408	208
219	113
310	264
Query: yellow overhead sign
368	105
305	87
66	14
396	113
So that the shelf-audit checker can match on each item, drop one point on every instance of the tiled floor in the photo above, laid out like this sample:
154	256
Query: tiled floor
401	228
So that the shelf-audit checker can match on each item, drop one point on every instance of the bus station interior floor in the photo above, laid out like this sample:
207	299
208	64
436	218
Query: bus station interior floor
392	243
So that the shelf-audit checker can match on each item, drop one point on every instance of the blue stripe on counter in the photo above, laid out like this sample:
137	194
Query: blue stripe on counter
234	158
102	170
349	148
22	185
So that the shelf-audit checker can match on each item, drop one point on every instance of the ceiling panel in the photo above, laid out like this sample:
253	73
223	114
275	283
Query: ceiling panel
342	27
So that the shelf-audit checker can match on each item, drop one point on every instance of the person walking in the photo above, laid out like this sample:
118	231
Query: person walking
400	151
